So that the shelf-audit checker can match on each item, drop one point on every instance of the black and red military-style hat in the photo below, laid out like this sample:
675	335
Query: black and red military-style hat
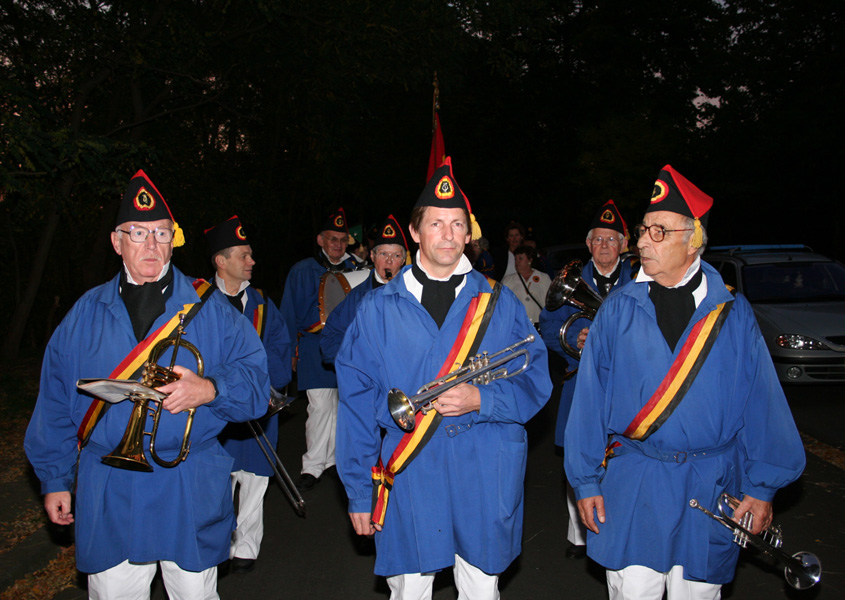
225	235
676	193
391	233
336	222
443	191
609	217
143	202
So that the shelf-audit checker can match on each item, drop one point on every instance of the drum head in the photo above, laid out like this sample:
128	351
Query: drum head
334	287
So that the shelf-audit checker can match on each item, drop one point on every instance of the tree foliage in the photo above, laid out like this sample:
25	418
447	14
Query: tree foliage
281	111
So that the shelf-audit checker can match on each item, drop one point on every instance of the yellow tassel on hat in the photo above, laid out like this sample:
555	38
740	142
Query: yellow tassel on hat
178	235
476	228
698	235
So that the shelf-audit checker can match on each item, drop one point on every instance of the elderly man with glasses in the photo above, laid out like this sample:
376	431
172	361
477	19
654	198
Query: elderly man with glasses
606	240
130	516
677	399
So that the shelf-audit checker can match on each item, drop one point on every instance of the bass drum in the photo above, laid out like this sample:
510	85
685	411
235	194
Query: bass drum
333	289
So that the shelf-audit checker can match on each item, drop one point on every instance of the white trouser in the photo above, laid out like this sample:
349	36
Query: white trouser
130	581
246	539
576	533
472	584
320	430
641	583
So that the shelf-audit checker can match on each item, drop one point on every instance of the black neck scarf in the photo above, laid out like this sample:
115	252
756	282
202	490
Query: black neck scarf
437	296
674	307
237	300
605	284
145	303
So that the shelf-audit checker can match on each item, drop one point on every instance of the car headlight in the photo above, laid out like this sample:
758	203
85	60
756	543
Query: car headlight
794	341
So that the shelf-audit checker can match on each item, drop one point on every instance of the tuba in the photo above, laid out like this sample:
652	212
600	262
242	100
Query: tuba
568	287
802	570
129	453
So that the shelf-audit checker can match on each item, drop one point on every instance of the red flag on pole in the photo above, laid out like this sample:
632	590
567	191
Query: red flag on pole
438	148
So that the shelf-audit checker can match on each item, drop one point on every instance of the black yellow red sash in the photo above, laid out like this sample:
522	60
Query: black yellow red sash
259	315
132	365
680	377
466	345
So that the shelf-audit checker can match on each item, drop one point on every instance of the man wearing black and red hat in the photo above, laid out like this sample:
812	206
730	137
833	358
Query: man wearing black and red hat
175	513
389	254
607	237
678	397
454	485
231	255
301	311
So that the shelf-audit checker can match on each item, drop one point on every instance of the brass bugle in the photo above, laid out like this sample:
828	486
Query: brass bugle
481	370
129	453
569	288
802	570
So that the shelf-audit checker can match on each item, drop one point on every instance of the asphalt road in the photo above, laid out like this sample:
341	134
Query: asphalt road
318	557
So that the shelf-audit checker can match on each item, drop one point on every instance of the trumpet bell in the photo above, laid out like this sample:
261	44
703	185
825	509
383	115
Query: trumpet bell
129	453
401	409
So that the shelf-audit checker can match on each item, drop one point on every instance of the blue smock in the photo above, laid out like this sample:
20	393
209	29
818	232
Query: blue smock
182	514
236	438
735	404
463	494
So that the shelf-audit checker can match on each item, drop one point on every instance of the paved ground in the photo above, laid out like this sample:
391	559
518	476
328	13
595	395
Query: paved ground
319	557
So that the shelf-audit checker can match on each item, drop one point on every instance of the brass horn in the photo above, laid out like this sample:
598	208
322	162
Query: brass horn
802	570
568	287
480	370
129	453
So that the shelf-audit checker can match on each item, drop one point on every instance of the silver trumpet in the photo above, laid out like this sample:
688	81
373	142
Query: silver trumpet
802	570
480	371
277	403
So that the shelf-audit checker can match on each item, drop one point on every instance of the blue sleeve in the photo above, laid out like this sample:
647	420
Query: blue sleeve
516	399
358	434
277	344
336	325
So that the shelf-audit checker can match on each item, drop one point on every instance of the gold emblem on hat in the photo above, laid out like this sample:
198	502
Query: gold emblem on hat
144	200
444	190
388	232
607	216
661	190
240	233
338	221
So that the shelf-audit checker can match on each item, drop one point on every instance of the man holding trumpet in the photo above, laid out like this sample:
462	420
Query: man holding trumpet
455	484
129	520
677	398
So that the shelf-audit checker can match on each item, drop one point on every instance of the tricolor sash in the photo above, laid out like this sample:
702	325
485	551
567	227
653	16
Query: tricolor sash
259	315
678	380
133	364
477	318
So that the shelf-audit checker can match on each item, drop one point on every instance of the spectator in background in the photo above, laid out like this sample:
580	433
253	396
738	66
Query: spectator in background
478	252
504	260
529	284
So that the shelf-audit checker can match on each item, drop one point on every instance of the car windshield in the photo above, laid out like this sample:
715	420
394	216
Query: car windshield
794	282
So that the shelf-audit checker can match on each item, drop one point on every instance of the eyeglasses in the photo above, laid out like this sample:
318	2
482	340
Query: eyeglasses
655	232
389	255
611	241
139	234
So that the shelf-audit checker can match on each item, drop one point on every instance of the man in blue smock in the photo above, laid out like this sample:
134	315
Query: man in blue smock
607	237
677	389
456	482
388	256
301	311
179	516
232	257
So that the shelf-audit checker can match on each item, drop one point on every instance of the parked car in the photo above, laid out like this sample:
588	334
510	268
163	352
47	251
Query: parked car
798	297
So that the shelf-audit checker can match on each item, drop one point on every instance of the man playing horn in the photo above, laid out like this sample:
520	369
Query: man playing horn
676	375
128	521
456	483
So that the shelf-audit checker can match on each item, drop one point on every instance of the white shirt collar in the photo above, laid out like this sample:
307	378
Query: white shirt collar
342	258
698	294
415	287
133	282
609	273
221	285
